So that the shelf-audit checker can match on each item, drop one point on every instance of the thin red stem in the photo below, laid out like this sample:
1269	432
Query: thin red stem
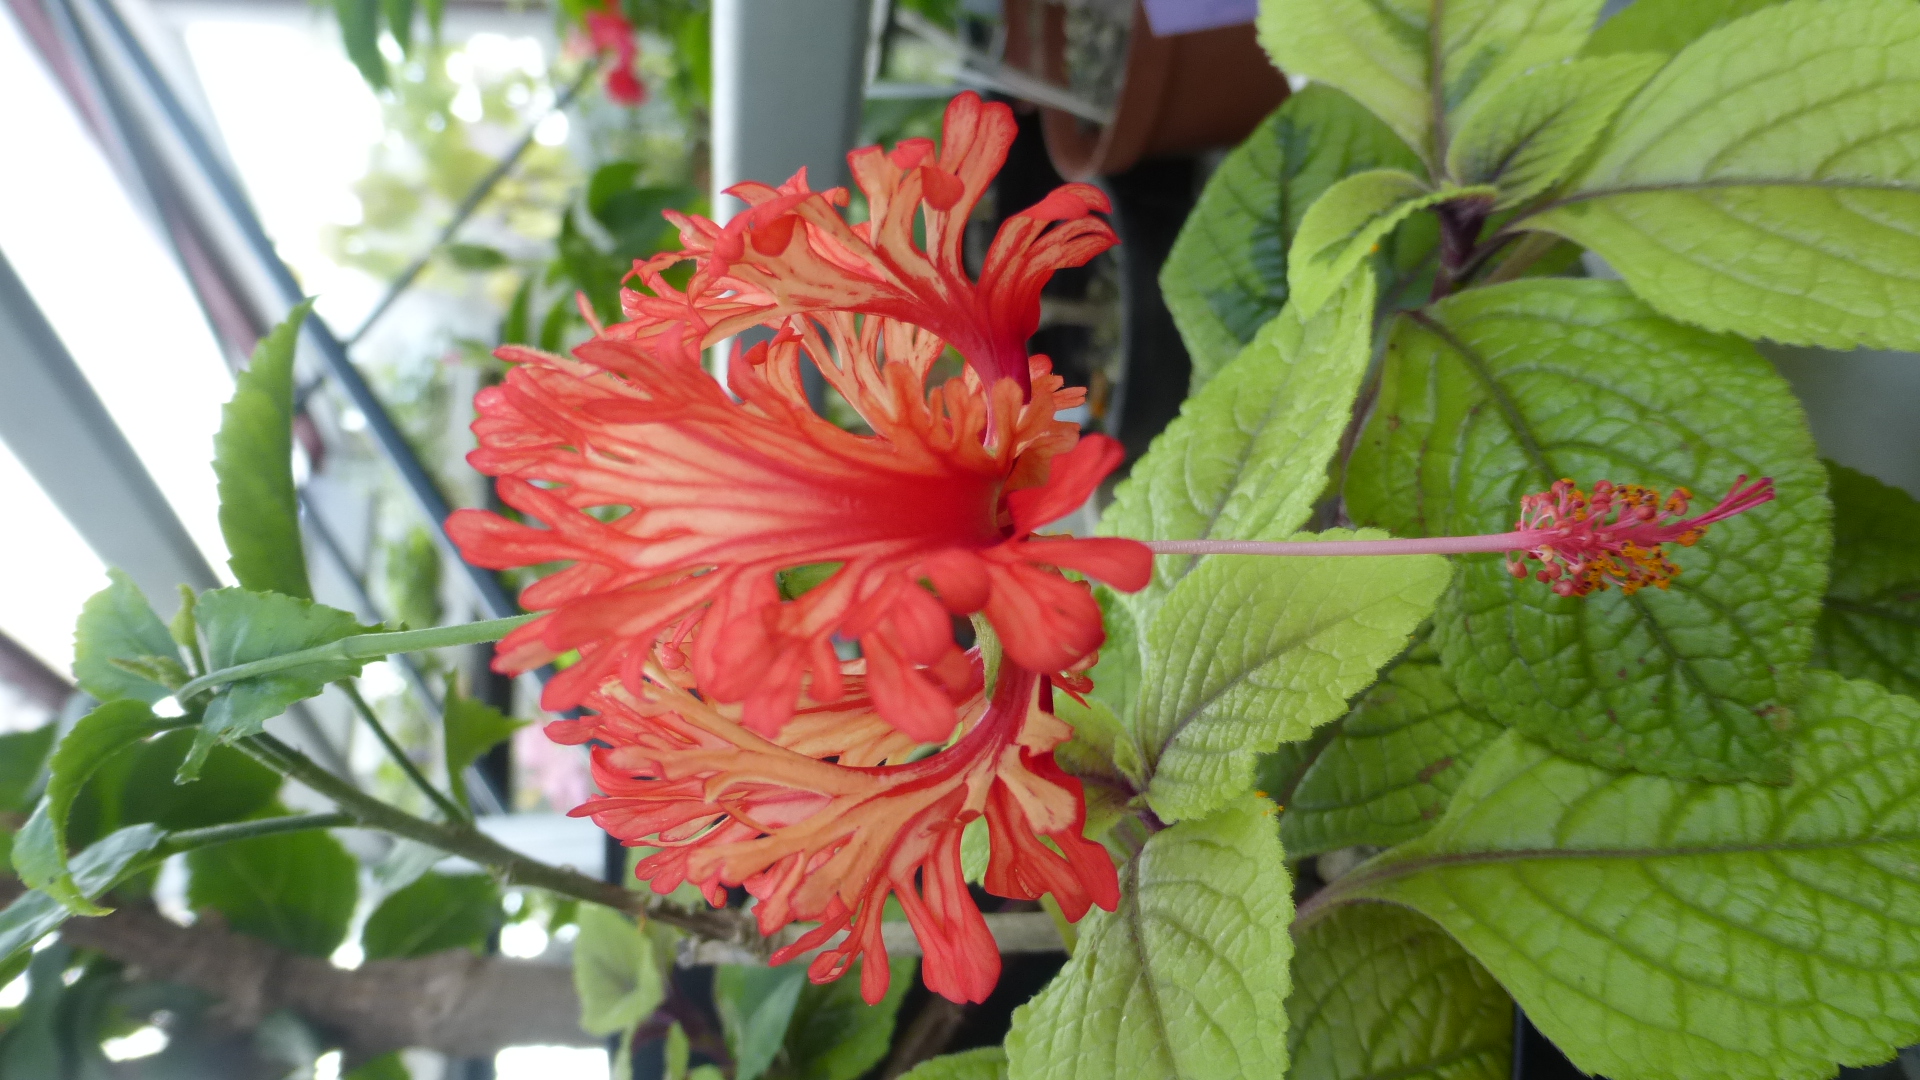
1437	545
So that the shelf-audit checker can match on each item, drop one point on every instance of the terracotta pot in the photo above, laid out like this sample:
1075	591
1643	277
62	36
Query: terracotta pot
1180	94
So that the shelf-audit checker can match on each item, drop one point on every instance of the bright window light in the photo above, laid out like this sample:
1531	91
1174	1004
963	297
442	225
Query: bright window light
327	1066
38	608
524	940
551	1063
14	994
138	1043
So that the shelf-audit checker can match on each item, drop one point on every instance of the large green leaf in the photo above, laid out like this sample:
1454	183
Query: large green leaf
756	1005
472	728
434	913
1344	228
1249	652
242	627
40	850
232	786
1188	979
1383	51
1391	766
117	623
1656	929
1247	456
1870	625
1227	274
615	972
1767	181
360	34
22	753
834	1035
34	914
296	890
1380	992
1504	390
1535	128
253	458
1666	26
986	1063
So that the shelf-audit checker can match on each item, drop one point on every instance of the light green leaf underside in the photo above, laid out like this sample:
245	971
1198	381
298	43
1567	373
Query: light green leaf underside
1870	625
756	1005
1392	764
1518	385
472	728
986	1063
34	914
434	913
1658	929
1227	274
1379	993
1250	652
1665	26
1535	128
1767	181
241	627
1188	979
117	623
1247	456
253	459
1346	225
615	972
1380	50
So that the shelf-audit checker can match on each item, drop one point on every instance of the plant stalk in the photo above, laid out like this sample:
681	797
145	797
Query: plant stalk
190	839
1520	540
360	647
446	806
460	838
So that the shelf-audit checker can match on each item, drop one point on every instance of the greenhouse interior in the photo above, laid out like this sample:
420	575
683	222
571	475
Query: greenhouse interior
960	540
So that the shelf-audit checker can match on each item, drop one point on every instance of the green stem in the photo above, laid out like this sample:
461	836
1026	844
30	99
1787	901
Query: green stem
446	806
359	647
462	839
189	839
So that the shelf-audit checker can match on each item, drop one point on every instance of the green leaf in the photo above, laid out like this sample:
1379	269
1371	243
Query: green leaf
1227	274
517	326
1870	625
1250	652
1188	979
1381	992
232	786
436	10
1537	127
1345	226
40	849
242	627
35	914
986	1063
253	457
296	890
1116	677
475	257
435	913
1767	181
1381	51
756	1003
834	1035
1502	391
1657	928
399	15
615	972
1666	26
22	753
472	728
360	34
387	1066
1388	772
1247	456
117	623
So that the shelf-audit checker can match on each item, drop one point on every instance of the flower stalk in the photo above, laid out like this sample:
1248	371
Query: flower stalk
358	647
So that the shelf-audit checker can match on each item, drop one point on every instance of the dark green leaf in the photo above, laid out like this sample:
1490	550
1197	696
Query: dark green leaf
1381	992
1870	625
472	728
1227	275
35	914
554	325
232	786
117	623
755	1006
399	15
1392	764
435	913
436	10
360	33
1507	389
40	849
1537	127
296	890
1661	929
517	327
474	257
242	627
834	1034
22	753
1345	226
253	457
32	1046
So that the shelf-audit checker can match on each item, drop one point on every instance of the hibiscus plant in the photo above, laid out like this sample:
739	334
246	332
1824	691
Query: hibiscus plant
1400	683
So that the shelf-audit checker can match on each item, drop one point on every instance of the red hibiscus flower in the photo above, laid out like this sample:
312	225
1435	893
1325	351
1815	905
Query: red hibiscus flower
612	36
